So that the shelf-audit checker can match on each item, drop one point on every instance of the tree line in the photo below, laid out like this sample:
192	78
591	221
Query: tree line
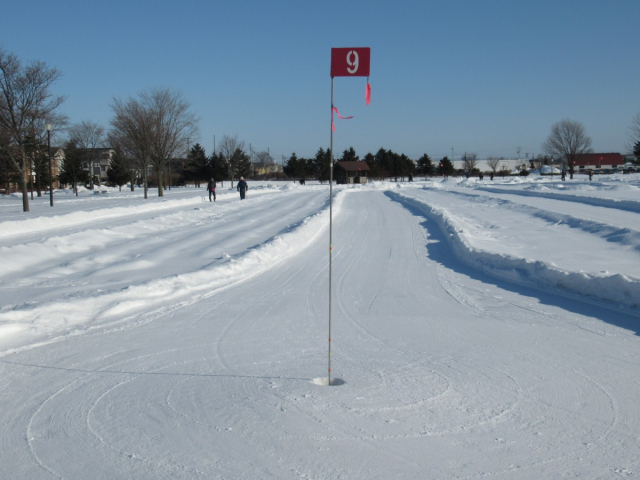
150	134
383	165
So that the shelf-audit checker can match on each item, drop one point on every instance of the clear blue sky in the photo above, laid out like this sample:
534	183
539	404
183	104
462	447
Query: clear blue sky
477	76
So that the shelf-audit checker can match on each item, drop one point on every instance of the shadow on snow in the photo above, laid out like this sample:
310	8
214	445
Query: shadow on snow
440	251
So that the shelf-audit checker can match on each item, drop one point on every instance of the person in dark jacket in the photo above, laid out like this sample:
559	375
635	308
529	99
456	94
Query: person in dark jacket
242	188
212	189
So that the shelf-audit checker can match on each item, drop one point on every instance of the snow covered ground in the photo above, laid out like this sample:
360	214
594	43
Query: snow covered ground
480	329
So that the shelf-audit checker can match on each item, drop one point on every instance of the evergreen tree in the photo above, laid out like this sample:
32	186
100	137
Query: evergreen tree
384	159
295	167
72	171
200	164
349	156
242	162
291	167
374	168
636	151
446	167
400	167
118	172
425	165
322	163
218	167
310	168
8	172
408	167
196	167
209	169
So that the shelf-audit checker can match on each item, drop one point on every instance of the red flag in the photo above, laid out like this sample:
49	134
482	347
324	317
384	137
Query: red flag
334	109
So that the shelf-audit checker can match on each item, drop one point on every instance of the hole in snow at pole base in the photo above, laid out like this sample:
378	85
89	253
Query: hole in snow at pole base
324	381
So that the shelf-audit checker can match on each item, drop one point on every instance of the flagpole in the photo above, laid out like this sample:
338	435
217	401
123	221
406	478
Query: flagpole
330	225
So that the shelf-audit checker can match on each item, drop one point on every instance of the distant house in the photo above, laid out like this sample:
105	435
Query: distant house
351	172
101	161
57	157
598	161
260	168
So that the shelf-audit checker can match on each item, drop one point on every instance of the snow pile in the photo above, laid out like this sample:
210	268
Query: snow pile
616	288
550	170
11	228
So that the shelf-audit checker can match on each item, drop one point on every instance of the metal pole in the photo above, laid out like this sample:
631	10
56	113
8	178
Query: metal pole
50	168
31	175
330	226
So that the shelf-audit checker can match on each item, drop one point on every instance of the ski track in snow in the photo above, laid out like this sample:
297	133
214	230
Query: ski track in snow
451	368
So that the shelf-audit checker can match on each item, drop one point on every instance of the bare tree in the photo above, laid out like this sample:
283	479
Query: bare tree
172	125
230	149
131	130
493	163
567	140
634	131
470	161
88	136
154	128
26	104
265	158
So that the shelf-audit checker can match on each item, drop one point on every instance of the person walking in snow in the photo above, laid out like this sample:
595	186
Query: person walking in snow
212	189
242	188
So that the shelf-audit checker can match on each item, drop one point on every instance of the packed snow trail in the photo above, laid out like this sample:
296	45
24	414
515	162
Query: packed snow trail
64	282
448	373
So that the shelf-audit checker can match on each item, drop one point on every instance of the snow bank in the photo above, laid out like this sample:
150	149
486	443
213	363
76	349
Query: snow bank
11	228
616	288
146	301
543	192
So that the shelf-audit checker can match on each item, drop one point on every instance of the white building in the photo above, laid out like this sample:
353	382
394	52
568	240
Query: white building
503	165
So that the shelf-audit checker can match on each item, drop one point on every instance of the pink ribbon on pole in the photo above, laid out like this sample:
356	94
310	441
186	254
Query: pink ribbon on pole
368	93
334	109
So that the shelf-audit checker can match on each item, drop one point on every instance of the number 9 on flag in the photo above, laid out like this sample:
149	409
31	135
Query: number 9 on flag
350	62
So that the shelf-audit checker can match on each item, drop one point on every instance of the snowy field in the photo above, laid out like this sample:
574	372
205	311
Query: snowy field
480	330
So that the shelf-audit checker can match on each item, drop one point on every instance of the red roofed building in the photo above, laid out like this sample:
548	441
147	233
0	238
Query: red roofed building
597	161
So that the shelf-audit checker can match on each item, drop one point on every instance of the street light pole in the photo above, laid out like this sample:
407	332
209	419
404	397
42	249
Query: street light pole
48	127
